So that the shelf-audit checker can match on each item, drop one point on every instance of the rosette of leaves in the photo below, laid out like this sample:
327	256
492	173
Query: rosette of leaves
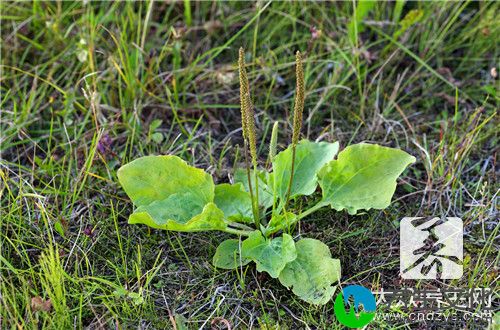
172	195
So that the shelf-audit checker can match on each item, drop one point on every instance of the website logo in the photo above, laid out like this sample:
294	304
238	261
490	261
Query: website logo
431	248
352	298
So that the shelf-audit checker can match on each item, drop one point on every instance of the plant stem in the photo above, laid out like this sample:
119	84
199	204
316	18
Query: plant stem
238	232
291	177
247	165
313	209
257	222
240	225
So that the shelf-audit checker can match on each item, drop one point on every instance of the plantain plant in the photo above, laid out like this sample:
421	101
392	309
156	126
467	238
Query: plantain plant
258	206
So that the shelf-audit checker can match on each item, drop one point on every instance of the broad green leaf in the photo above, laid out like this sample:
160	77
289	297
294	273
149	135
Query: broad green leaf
312	274
363	177
310	157
234	201
155	178
228	255
270	255
265	191
156	215
179	207
170	194
280	222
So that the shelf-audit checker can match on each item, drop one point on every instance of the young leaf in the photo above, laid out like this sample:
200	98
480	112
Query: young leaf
273	144
310	157
270	255
265	192
363	177
234	201
169	194
228	255
280	222
312	273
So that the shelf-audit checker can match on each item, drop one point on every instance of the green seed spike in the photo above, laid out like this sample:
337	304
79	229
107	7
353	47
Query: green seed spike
243	92
274	141
299	99
248	127
297	116
247	112
252	140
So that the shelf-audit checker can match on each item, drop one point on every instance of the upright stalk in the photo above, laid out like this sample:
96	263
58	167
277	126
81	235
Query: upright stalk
297	116
249	178
248	126
273	144
256	201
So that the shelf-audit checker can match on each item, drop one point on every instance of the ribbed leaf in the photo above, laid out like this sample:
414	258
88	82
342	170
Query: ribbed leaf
363	177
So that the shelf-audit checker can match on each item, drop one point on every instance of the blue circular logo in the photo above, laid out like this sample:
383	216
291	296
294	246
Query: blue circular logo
348	303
